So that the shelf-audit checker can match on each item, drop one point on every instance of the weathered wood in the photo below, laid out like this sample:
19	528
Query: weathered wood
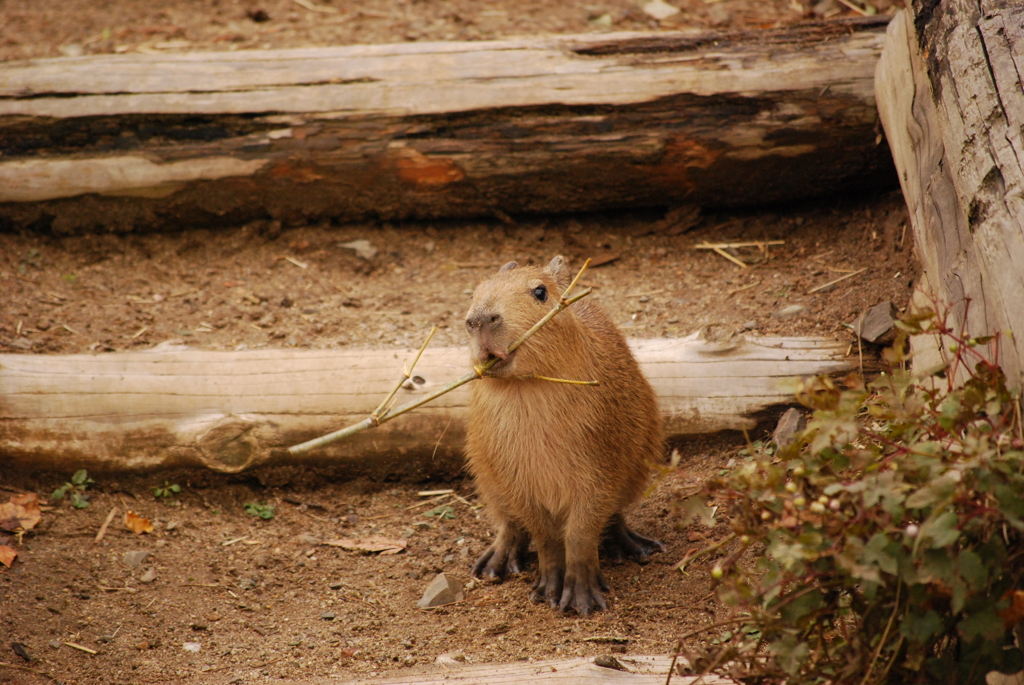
640	670
553	124
950	98
230	411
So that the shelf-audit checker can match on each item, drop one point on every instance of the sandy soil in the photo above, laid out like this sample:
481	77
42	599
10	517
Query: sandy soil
261	598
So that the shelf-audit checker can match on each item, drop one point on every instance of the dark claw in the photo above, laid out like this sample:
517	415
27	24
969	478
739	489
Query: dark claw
582	596
620	542
498	562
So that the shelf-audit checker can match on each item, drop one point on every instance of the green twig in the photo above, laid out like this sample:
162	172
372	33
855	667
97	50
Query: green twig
707	550
478	372
382	408
535	377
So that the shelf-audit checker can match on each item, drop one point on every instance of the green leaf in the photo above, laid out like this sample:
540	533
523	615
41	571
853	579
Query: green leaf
790	653
59	493
694	507
875	554
972	569
801	607
985	625
262	510
941	531
80	477
920	628
442	512
77	501
935	491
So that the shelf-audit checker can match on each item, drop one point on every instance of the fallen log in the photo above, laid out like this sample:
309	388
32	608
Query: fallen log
636	670
533	125
230	411
949	95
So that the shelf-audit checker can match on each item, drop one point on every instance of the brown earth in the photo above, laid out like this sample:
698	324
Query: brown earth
262	600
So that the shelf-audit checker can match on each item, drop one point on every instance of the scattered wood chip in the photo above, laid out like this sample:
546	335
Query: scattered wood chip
735	260
106	523
301	265
836	280
371	545
742	288
432	493
760	244
80	648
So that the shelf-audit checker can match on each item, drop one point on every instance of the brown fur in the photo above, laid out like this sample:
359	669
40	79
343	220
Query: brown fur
554	462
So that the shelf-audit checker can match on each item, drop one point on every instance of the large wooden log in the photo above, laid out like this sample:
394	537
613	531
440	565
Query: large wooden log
230	411
950	98
563	123
637	670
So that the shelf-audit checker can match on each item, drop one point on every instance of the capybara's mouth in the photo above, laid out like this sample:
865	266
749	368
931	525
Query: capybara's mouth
501	367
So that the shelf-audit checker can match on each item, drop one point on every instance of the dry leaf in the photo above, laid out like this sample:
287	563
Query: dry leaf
21	513
1015	612
136	523
7	555
374	543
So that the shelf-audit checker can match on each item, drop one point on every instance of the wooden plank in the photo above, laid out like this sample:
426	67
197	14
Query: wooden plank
951	103
230	411
640	670
560	123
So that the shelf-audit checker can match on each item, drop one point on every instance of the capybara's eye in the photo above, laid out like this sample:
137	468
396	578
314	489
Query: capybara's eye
541	293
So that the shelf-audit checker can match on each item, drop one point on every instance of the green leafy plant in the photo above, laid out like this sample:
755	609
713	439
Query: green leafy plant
262	510
883	545
443	512
74	490
166	490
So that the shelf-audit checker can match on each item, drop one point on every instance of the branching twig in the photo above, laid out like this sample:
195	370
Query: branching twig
383	408
479	371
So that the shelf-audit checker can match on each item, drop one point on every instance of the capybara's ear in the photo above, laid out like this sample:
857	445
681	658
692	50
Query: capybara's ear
560	270
508	267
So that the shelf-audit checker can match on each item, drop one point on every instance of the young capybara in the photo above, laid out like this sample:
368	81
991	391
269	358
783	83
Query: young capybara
555	462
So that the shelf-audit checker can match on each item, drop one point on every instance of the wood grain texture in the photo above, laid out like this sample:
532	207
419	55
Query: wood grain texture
950	99
640	670
562	123
230	411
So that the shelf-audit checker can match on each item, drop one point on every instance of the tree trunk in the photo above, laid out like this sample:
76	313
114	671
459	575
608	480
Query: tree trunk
230	411
534	125
950	98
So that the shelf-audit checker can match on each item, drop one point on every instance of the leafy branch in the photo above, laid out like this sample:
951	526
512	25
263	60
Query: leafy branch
881	545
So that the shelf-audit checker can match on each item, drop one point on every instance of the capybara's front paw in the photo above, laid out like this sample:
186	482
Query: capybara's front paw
548	587
499	561
582	591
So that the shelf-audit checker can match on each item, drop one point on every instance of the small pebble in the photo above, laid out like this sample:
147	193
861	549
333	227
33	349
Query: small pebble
134	558
149	576
192	647
54	644
328	616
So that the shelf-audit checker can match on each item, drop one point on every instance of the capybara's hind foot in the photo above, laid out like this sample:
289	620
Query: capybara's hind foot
620	542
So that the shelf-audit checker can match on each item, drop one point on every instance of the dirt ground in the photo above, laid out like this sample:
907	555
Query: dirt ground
261	599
